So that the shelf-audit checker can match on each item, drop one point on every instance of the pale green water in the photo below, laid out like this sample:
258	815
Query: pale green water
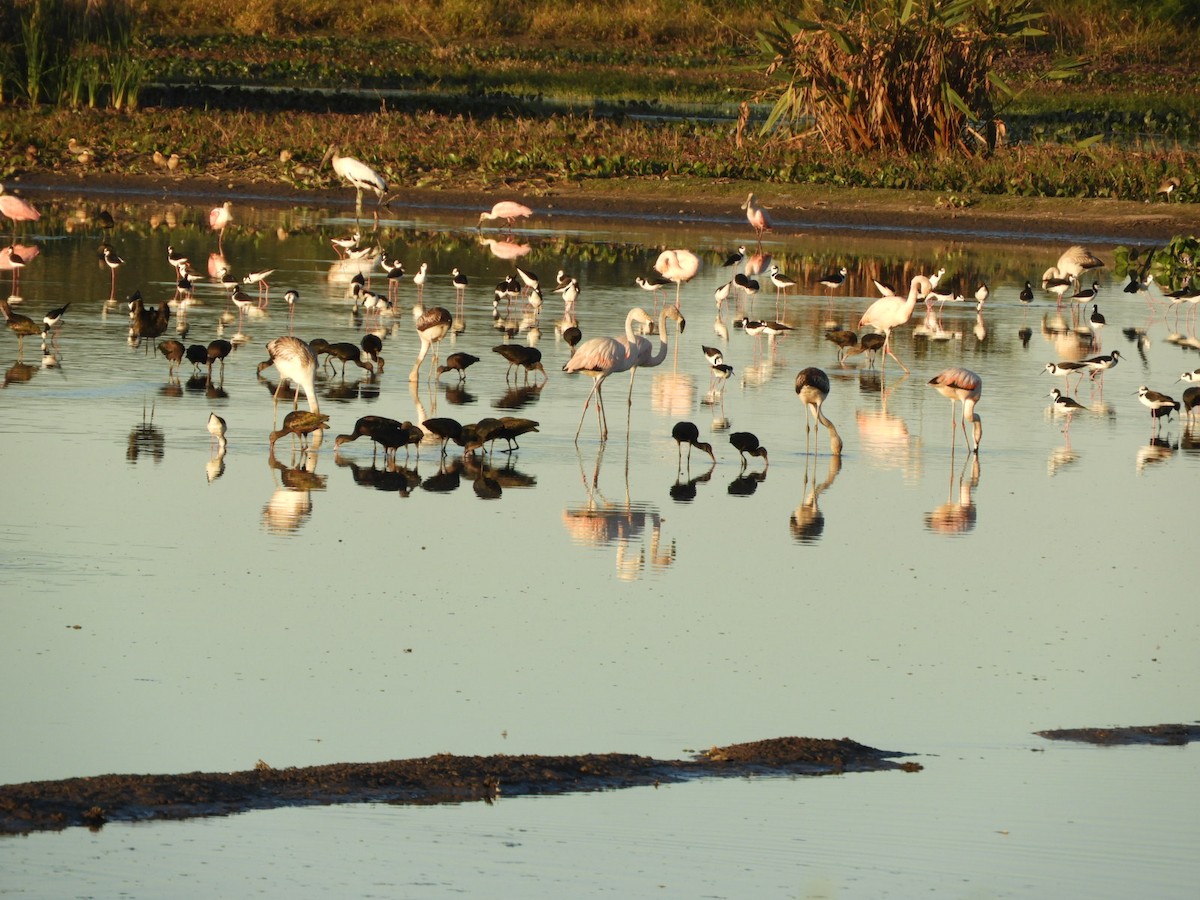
372	625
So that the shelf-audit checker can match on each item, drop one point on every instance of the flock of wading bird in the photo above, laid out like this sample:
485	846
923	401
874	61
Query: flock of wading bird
296	361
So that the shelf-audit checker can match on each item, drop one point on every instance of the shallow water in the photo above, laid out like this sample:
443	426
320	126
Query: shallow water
168	611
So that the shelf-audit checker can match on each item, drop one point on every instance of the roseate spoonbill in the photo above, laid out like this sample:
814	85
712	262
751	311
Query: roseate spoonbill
688	433
747	442
677	266
756	215
357	174
961	386
217	428
301	423
432	326
219	218
295	361
812	387
887	313
600	357
508	210
17	210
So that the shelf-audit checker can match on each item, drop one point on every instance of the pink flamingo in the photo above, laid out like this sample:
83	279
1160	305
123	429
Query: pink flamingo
887	313
648	357
602	356
961	386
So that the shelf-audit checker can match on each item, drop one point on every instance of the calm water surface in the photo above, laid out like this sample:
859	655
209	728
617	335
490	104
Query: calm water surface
168	611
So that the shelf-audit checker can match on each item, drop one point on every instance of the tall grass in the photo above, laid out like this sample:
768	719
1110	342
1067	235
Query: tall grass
70	52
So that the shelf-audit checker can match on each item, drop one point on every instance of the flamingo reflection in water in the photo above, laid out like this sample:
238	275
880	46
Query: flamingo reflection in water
807	523
599	524
957	516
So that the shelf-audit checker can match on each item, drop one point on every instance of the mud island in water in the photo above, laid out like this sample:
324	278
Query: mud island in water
1163	735
93	801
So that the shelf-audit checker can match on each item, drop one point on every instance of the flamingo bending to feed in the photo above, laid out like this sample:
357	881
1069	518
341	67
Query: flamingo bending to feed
887	313
961	386
812	387
647	356
295	361
600	357
508	210
432	326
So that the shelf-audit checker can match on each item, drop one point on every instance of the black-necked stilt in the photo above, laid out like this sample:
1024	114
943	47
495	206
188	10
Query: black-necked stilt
721	373
1087	295
1193	376
1066	369
688	433
833	279
1061	403
961	386
1097	364
1026	295
569	291
1096	321
713	355
721	294
259	278
734	258
982	293
1159	404
343	245
746	442
113	262
812	387
53	317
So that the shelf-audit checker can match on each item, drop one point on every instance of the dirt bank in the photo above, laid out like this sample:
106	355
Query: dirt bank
795	209
54	805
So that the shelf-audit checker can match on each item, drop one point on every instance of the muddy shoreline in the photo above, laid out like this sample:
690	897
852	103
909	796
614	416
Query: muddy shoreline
796	209
55	805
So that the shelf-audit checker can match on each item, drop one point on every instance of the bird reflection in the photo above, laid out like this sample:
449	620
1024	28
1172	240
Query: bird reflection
18	373
519	397
448	478
747	483
684	489
146	437
807	523
957	516
290	506
215	467
1159	450
600	523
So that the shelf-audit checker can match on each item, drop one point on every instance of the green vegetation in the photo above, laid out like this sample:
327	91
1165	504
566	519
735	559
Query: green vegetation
543	91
